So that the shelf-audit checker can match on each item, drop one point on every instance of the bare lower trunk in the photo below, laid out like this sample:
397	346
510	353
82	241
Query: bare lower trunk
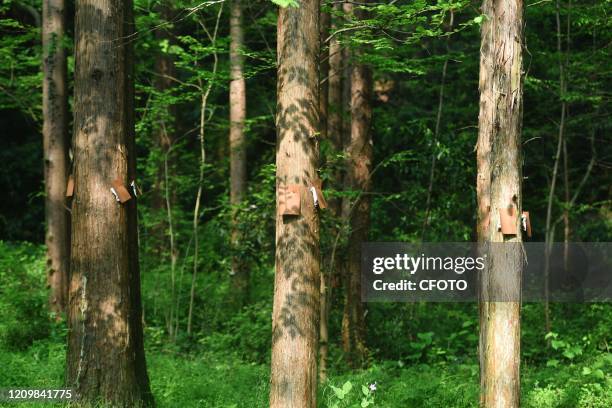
566	208
295	317
55	146
550	227
326	267
346	204
163	197
240	273
105	341
499	190
359	152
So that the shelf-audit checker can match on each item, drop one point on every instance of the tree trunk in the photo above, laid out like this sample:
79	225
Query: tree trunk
105	359
324	73
561	148
295	317
330	106
240	274
359	155
55	141
499	189
163	195
436	135
346	329
324	26
205	93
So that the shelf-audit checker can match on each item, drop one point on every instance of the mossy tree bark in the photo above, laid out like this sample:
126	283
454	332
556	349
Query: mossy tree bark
499	189
105	359
295	317
55	146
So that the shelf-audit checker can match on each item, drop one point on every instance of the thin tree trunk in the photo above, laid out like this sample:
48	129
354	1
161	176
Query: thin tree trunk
105	340
359	152
331	101
324	27
499	189
295	317
566	208
549	228
436	136
55	147
240	273
173	250
205	93
347	326
164	134
324	76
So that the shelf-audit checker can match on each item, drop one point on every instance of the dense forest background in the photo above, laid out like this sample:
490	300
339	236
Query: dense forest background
204	347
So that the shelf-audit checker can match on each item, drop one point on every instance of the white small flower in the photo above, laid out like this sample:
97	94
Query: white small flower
252	206
373	387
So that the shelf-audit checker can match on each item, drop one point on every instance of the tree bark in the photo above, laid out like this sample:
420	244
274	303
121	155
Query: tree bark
499	189
346	330
295	317
240	273
324	73
55	146
550	226
330	106
359	156
324	26
105	359
163	195
436	135
205	93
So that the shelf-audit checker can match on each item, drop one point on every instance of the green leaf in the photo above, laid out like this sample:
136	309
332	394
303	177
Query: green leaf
286	3
347	387
557	344
365	390
569	354
339	393
479	19
552	363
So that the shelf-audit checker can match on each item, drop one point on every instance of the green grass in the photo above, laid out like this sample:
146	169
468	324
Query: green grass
216	380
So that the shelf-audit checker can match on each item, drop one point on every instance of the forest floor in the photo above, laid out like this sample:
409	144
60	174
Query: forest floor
230	369
213	380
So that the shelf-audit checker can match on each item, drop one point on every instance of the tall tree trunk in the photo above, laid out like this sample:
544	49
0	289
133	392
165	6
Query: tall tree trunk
324	73
499	190
204	94
330	106
550	226
566	207
359	166
295	317
324	27
240	274
105	359
347	8
163	198
55	146
436	135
